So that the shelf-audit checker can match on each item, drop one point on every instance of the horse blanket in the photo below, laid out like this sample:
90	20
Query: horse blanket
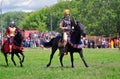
6	47
74	45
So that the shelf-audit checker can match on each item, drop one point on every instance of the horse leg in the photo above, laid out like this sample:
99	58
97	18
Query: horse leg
19	59
82	57
61	57
22	56
5	54
12	58
72	59
52	54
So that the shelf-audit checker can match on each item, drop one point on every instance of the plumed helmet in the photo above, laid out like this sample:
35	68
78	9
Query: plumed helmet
66	11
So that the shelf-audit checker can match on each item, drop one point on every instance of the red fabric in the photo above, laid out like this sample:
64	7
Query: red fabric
4	40
115	41
27	32
42	35
7	31
14	47
6	47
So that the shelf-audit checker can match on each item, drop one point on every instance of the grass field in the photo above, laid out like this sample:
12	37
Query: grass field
103	64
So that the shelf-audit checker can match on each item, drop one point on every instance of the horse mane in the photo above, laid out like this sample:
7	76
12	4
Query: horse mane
82	29
78	26
18	38
78	31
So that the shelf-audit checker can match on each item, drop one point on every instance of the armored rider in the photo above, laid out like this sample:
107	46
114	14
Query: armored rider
65	26
11	30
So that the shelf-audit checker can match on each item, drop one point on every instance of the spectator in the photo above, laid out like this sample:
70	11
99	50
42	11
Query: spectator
111	44
89	46
115	43
119	44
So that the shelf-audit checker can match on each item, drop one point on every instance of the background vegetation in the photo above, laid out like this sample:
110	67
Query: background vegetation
18	17
103	64
100	17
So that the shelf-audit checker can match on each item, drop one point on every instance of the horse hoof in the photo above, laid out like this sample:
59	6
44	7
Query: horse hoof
87	66
62	66
7	65
14	64
48	65
21	65
22	61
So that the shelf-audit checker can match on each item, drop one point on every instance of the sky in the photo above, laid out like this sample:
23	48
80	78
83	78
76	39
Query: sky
24	5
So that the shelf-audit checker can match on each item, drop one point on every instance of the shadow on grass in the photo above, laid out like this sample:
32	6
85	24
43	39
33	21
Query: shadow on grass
9	66
57	67
1	65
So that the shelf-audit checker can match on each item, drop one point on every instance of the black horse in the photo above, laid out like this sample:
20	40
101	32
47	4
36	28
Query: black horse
76	36
16	48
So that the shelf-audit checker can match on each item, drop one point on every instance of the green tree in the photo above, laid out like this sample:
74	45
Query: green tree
13	16
100	17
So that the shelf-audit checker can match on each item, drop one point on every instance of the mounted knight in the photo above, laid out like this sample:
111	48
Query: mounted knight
11	30
66	27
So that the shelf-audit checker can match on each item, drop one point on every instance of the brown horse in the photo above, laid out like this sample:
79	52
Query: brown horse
16	48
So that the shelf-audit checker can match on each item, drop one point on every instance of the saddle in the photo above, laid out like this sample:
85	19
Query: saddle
60	43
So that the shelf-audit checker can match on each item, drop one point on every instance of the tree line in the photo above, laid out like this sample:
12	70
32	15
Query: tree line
100	17
17	17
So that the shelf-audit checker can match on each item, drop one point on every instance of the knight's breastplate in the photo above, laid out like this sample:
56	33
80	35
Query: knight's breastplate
12	31
67	23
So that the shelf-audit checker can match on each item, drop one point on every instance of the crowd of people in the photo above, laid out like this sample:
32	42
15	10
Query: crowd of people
37	39
102	43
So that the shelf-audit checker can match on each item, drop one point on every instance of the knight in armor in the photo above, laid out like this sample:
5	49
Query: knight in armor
65	26
11	30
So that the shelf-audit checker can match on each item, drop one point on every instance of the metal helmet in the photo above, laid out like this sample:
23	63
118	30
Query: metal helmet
66	11
12	23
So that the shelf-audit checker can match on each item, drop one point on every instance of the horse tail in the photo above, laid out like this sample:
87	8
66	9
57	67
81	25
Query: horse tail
2	50
48	44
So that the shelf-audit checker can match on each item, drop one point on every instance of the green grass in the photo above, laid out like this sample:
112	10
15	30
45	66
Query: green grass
103	64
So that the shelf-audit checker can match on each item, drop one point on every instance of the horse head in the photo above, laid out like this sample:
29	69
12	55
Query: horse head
18	38
80	28
78	31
